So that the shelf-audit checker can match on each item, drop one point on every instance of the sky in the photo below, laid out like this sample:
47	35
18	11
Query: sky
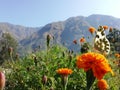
36	13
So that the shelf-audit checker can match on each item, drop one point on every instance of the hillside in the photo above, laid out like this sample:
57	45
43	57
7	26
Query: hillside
70	29
19	32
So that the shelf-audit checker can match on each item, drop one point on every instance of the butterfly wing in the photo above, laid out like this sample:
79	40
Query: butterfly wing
101	43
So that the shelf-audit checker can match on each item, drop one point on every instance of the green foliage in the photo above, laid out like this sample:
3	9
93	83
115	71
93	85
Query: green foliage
37	71
114	38
25	74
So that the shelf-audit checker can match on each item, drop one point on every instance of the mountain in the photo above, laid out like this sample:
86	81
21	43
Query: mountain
18	32
63	32
96	20
70	29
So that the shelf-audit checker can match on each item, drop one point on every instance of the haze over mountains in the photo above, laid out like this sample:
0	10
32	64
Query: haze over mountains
63	31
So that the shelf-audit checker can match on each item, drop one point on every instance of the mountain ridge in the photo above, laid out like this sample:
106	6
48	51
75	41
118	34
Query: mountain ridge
66	31
19	32
70	29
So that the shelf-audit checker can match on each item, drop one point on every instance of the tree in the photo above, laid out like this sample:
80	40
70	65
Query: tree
8	47
114	38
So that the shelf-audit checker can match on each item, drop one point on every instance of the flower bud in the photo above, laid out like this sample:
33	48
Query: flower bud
35	61
44	79
2	80
70	57
10	50
63	54
28	69
48	40
51	88
17	56
111	29
75	41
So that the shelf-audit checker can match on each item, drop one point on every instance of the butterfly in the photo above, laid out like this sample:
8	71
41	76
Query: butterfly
101	43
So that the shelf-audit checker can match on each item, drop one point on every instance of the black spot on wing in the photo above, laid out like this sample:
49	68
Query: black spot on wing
100	40
99	30
97	36
107	44
103	33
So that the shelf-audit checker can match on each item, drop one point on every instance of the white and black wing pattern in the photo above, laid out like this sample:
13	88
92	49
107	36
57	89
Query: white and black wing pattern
101	43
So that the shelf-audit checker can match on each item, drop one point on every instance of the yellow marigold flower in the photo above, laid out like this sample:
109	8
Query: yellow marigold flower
82	40
91	30
102	84
64	71
95	61
105	27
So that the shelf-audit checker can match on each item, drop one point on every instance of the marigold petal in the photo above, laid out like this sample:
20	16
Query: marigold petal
64	71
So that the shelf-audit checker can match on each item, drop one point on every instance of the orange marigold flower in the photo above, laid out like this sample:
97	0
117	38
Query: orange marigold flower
105	27
95	61
75	41
64	71
91	30
102	84
82	40
117	55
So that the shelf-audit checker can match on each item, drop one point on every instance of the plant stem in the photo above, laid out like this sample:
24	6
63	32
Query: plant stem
90	79
64	82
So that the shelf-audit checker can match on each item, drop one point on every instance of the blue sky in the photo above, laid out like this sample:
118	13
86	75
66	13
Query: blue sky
36	13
